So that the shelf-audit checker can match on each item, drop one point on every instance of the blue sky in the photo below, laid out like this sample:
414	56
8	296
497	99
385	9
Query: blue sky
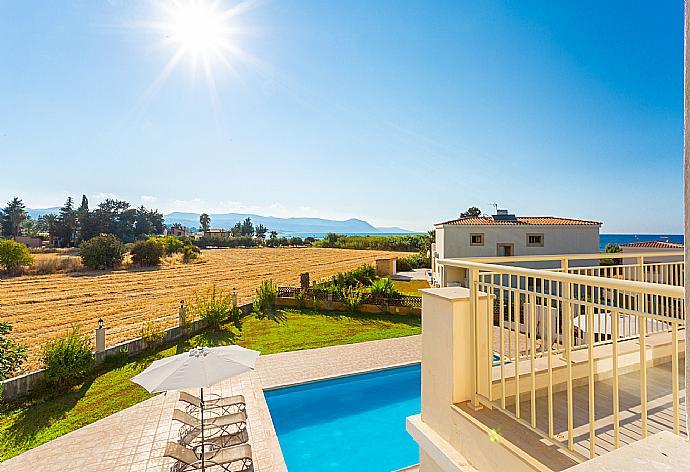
398	112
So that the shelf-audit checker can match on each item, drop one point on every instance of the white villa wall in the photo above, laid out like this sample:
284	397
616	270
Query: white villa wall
454	240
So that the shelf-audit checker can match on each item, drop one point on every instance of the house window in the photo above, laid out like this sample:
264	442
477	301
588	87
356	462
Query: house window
477	239
535	240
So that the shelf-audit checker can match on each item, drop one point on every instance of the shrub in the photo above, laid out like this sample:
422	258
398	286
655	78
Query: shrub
408	242
146	253
353	297
152	334
14	255
300	297
362	275
266	296
102	252
190	253
414	261
296	241
169	244
383	288
214	306
69	358
12	354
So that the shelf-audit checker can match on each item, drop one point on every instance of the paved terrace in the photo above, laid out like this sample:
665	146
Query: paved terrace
134	439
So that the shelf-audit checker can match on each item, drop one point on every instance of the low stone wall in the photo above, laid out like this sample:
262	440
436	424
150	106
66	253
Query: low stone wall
23	385
339	306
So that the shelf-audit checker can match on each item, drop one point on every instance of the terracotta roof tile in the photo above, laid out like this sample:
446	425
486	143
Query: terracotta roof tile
654	245
521	220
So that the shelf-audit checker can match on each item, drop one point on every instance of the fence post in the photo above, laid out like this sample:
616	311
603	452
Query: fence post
329	305
100	336
181	315
234	299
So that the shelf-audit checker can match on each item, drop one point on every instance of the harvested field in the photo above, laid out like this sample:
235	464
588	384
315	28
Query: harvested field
42	307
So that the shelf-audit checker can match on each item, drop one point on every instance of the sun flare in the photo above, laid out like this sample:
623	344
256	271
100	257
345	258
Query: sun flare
204	34
198	29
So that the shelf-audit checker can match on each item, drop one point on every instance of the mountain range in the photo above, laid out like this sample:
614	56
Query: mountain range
281	225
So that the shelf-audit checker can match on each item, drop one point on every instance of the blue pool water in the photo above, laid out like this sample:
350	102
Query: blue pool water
349	423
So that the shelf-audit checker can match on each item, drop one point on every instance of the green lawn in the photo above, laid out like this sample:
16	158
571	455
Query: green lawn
34	422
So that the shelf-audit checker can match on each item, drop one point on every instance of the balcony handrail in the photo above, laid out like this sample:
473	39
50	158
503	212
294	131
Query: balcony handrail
620	284
559	257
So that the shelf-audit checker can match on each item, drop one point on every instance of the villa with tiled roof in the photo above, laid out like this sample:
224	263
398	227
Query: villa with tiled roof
507	235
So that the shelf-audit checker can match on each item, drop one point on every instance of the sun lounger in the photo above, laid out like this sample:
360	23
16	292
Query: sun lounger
220	431
231	459
226	405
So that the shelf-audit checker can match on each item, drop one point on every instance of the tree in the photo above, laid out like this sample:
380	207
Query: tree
260	231
102	252
611	249
236	231
30	227
12	217
14	255
84	229
274	234
205	222
66	228
247	227
472	212
11	354
48	223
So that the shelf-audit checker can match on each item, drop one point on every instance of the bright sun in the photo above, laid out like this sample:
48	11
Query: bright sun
198	29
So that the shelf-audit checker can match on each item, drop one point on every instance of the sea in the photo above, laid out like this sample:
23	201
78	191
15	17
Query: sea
604	239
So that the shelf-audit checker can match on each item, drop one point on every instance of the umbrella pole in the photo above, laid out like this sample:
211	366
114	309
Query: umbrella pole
203	446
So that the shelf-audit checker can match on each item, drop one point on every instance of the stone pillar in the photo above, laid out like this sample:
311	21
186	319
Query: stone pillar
304	280
448	356
100	339
181	315
234	299
329	304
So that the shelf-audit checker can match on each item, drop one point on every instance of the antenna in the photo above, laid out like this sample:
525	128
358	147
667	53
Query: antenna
495	205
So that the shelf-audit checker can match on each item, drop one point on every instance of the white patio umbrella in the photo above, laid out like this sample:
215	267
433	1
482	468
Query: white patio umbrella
200	368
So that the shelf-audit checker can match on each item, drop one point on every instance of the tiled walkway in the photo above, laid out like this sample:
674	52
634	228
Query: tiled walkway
134	439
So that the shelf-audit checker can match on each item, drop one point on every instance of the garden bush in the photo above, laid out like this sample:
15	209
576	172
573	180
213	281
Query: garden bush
102	252
14	255
383	288
146	253
215	307
266	296
69	358
190	253
170	244
152	334
12	354
362	275
353	297
414	261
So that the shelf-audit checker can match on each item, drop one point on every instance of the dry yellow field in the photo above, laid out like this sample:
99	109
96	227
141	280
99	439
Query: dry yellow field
42	307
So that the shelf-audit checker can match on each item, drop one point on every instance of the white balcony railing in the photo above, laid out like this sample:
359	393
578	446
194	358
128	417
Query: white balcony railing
588	357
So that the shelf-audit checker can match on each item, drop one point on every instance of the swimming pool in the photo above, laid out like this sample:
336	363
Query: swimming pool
348	423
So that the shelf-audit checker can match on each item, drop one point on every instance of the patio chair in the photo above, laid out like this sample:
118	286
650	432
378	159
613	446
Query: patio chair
228	459
226	405
219	431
